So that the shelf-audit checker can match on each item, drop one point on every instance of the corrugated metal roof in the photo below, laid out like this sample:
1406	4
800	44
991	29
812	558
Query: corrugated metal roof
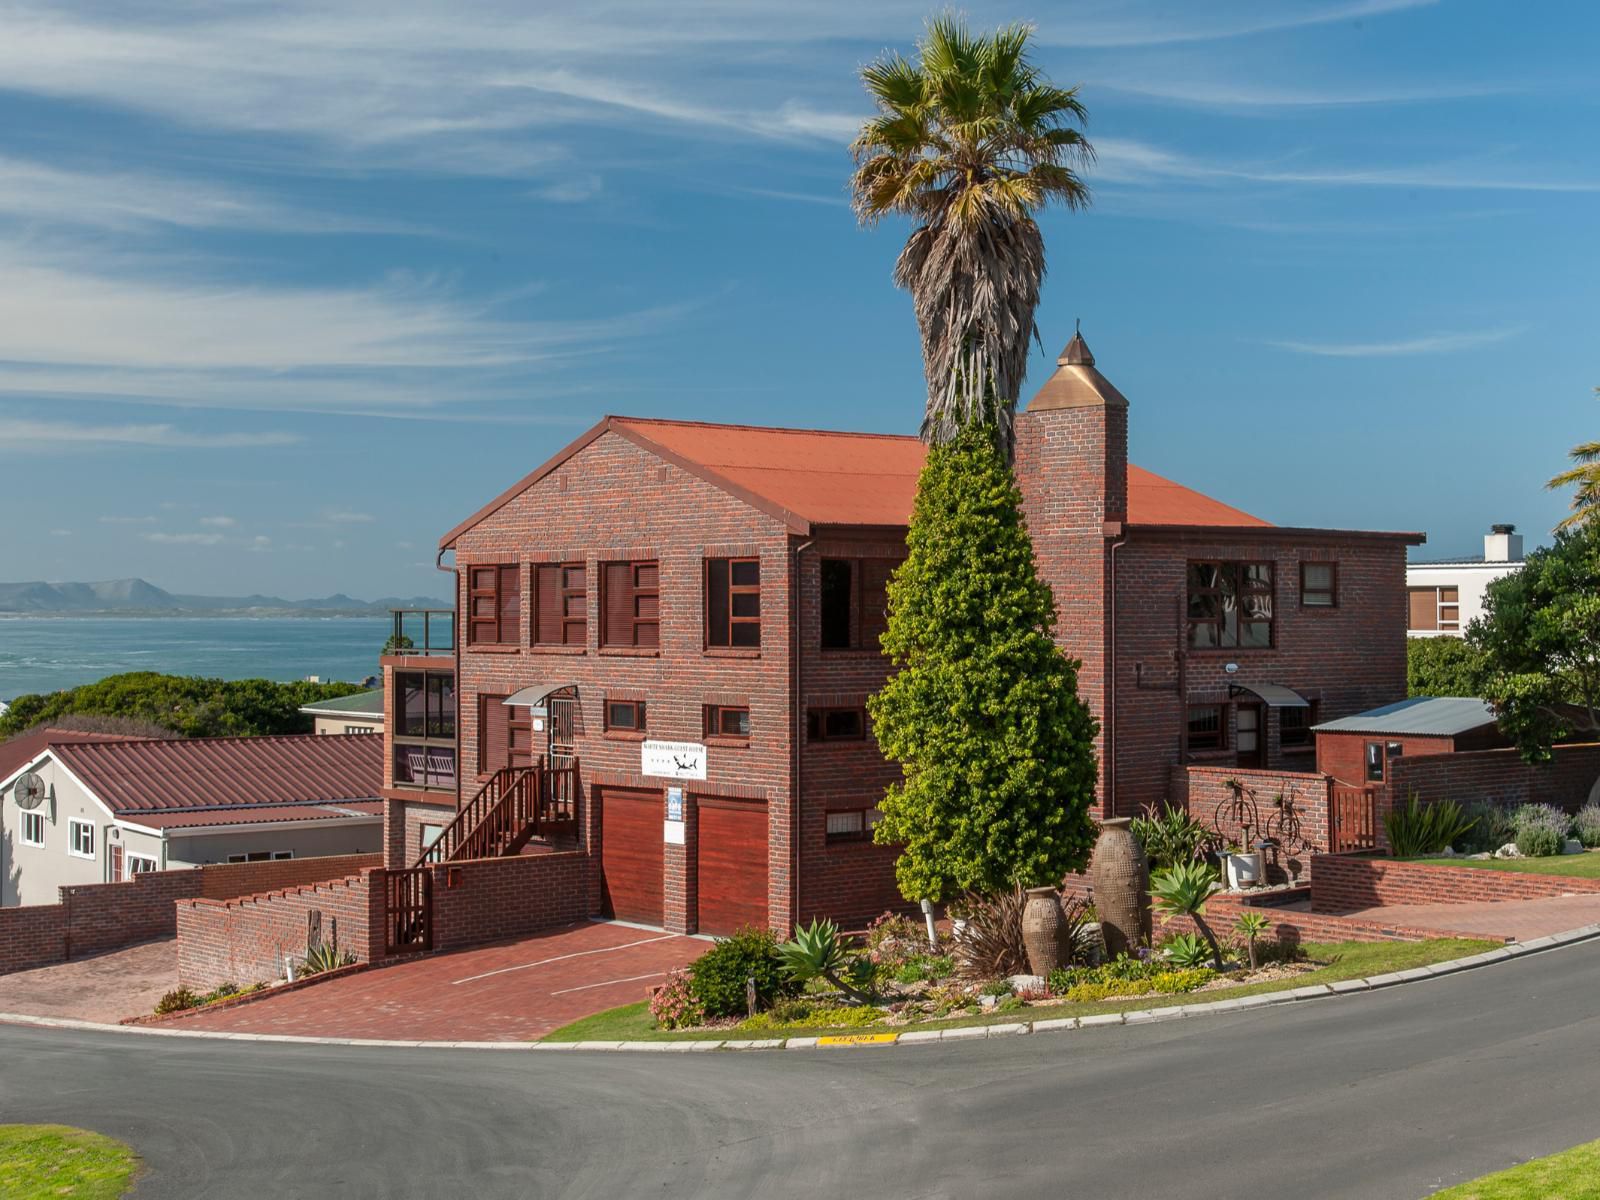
133	777
17	752
357	704
1423	716
832	478
257	814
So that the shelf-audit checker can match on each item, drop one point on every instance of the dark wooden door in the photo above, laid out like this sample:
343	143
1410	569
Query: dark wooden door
1250	736
630	854
731	862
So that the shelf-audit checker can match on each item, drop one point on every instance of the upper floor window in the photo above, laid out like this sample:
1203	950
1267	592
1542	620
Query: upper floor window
727	721
1230	605
733	602
560	604
505	735
1207	728
630	600
854	602
80	839
1436	609
1319	585
625	716
33	829
494	605
836	724
425	705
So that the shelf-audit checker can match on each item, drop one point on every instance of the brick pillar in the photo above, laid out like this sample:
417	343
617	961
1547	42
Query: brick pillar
681	907
394	834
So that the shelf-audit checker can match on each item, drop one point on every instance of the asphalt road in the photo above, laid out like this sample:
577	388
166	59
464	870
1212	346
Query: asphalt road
1391	1094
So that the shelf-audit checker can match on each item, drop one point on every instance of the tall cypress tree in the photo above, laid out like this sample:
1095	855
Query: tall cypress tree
983	716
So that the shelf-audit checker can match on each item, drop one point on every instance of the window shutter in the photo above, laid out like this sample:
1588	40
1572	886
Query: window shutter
1424	608
510	628
493	734
575	605
547	613
483	618
717	602
616	620
646	605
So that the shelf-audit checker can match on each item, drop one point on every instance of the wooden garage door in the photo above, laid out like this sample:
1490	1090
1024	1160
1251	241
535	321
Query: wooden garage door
732	865
630	854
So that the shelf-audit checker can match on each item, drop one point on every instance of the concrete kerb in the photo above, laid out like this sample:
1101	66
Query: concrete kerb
913	1037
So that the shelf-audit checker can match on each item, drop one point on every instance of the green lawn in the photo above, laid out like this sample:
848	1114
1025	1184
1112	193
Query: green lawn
40	1161
1346	960
1576	866
1572	1175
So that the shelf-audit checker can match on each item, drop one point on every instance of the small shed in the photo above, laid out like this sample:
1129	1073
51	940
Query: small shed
1357	749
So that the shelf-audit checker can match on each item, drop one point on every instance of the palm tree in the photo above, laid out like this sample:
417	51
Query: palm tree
1584	478
970	141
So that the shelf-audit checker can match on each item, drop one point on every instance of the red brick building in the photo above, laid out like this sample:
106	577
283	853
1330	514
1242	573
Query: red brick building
692	611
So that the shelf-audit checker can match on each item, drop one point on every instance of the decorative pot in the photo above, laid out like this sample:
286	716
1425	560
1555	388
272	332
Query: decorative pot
1244	869
1121	876
1044	928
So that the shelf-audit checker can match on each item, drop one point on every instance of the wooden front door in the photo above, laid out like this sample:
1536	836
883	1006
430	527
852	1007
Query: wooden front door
631	875
1250	733
731	865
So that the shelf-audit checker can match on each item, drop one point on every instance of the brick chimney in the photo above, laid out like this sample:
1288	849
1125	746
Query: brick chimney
1502	544
1072	466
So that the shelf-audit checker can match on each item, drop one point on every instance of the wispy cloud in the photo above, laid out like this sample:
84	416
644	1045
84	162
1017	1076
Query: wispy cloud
61	533
120	520
20	433
1433	343
571	189
219	522
183	539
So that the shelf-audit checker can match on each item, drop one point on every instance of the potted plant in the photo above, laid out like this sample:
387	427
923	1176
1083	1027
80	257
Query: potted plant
1244	867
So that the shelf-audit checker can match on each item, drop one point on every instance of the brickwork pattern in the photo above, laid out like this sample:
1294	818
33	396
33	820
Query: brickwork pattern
1344	883
1497	775
488	899
1209	800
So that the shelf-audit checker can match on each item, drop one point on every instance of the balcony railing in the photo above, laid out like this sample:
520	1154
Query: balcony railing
426	767
422	631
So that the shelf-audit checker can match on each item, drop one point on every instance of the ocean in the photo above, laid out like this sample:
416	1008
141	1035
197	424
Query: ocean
45	654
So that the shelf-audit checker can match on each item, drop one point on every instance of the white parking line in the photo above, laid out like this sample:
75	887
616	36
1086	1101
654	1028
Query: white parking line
630	979
562	958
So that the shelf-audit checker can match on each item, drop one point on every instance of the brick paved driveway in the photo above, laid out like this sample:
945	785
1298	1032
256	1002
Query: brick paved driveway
1523	920
511	991
107	987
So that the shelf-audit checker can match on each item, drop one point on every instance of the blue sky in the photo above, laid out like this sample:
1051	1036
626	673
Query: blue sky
287	292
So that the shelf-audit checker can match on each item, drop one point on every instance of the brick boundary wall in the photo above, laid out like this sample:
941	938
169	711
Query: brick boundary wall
495	898
1345	882
1207	792
1498	775
93	918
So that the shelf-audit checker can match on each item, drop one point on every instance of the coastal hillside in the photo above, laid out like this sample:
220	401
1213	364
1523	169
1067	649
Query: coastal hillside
138	597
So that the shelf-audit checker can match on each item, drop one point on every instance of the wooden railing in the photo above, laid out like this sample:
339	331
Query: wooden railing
515	804
1352	820
408	911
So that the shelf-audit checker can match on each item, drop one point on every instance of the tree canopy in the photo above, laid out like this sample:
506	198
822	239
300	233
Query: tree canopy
1443	666
969	141
186	704
983	717
1540	641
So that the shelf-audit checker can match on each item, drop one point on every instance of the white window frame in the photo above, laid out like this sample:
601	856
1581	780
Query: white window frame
260	856
361	729
73	837
130	867
35	819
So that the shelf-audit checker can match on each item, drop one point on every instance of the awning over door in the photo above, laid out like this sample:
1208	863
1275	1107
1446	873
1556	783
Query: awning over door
1273	695
536	695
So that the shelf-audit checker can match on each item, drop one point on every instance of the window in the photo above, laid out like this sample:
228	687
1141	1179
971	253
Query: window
281	855
1294	727
625	716
733	602
836	724
1435	609
424	722
1319	585
361	729
1230	605
430	837
1207	729
561	604
33	829
494	605
630	601
854	601
1374	762
727	721
140	864
80	839
852	824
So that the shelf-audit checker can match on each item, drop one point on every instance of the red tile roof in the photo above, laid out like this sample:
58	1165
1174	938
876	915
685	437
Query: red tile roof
830	478
17	752
137	777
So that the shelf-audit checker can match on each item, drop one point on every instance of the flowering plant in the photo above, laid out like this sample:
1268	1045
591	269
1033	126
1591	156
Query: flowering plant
673	1004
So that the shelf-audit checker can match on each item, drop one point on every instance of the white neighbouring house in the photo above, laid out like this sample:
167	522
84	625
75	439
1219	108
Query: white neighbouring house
1446	595
358	713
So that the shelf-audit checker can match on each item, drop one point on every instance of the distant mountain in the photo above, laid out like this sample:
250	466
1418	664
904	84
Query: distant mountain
129	596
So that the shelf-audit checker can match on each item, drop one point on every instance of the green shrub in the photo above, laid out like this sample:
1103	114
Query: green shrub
1188	950
1587	825
995	987
1541	829
718	976
325	956
1170	836
1491	826
802	1014
1164	982
1417	829
177	1000
924	966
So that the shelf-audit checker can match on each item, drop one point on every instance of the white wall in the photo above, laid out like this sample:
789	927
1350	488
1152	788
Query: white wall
33	874
1471	581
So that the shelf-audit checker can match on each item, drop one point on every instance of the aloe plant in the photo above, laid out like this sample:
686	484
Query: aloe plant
1251	925
816	953
1182	890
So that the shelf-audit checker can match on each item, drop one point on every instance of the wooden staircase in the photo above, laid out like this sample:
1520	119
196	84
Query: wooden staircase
513	807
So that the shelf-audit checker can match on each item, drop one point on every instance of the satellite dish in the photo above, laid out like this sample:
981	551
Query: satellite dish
30	790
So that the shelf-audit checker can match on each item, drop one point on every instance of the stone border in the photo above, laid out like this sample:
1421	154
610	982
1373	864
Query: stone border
959	1033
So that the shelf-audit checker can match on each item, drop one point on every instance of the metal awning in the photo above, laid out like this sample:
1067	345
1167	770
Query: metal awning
535	695
1273	695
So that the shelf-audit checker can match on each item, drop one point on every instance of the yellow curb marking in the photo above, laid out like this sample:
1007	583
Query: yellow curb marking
858	1039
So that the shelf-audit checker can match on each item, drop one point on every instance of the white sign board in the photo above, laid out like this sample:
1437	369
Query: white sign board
673	760
672	833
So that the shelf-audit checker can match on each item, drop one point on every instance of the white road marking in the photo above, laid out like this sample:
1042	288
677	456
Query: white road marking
609	982
562	958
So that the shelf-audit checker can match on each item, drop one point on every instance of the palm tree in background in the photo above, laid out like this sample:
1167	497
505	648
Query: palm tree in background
970	140
1584	478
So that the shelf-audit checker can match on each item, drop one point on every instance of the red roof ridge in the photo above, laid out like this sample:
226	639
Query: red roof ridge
801	429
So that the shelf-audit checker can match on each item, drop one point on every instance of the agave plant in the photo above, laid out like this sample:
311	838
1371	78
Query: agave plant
817	953
325	956
1188	950
1250	926
1182	891
1169	835
1417	829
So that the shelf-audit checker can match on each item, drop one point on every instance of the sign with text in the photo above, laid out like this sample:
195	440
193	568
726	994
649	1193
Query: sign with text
673	760
674	804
